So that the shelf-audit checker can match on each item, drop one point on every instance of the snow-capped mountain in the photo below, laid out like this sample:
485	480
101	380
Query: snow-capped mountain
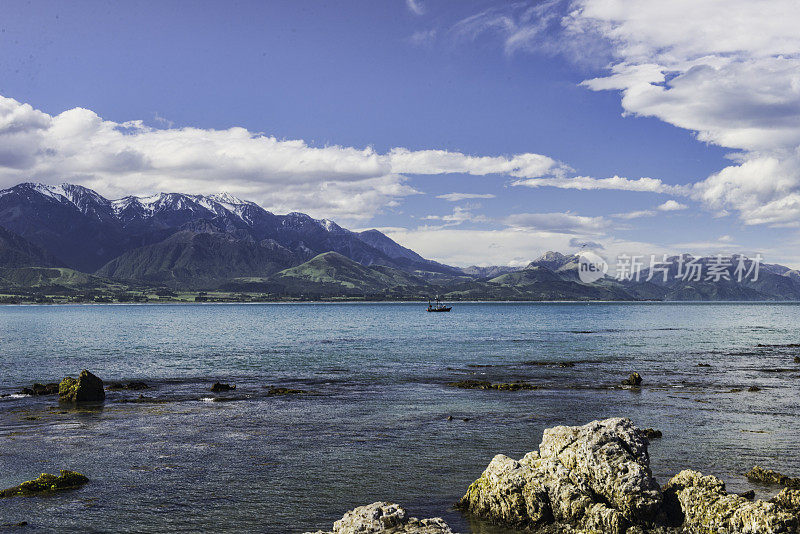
84	230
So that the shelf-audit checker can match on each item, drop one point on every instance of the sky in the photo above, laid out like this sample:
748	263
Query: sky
473	132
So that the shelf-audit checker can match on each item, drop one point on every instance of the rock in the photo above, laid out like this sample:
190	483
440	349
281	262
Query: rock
133	386
87	388
789	499
594	477
707	508
485	384
449	417
749	495
753	388
635	379
703	365
46	483
652	433
41	389
218	387
284	391
797	359
768	476
384	517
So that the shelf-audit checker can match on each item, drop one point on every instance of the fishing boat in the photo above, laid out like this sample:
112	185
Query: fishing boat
438	306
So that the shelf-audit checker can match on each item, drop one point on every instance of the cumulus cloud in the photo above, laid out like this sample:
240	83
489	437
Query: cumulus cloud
725	69
461	214
457	197
671	205
634	214
283	175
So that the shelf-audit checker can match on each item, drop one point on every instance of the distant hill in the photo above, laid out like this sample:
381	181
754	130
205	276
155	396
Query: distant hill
15	251
332	274
69	238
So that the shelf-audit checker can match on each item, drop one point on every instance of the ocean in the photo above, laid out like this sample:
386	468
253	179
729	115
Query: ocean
379	420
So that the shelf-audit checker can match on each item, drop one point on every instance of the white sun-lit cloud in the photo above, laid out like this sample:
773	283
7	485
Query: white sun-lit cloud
457	197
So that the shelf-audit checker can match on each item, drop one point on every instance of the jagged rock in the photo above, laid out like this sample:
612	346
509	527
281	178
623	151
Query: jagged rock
768	476
635	379
218	387
86	388
789	499
594	477
749	495
384	517
708	509
47	482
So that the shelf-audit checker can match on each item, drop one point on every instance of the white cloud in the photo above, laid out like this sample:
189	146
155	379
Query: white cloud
567	223
460	215
457	197
416	7
671	205
652	185
725	69
283	175
422	37
528	165
634	214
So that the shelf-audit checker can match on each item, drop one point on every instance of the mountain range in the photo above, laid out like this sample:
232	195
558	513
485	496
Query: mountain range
69	239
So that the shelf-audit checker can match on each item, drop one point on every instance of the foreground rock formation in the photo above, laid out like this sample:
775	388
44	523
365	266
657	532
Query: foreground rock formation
86	388
384	517
596	478
46	483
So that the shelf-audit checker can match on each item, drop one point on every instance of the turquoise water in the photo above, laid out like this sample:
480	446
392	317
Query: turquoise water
374	425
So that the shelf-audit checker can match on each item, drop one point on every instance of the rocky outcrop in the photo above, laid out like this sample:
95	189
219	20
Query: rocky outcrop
278	392
768	476
384	517
46	483
708	509
86	388
596	478
219	387
133	386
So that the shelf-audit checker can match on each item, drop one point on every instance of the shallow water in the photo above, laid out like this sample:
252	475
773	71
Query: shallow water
374	425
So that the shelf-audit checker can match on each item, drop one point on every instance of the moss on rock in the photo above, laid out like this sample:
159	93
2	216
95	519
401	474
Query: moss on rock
86	388
47	482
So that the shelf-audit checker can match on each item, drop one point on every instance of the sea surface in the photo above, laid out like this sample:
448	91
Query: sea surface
374	423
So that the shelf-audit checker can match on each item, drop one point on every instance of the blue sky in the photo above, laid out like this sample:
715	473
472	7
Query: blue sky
369	112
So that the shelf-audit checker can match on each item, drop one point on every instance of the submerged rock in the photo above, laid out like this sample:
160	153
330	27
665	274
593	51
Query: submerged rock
797	359
133	386
706	507
485	384
274	392
45	483
635	379
218	387
768	476
41	389
594	477
86	388
384	517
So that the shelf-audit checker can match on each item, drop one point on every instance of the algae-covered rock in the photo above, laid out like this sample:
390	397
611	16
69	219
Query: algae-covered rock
47	482
86	388
595	478
789	499
708	509
219	387
768	476
635	379
38	389
485	384
384	517
611	457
